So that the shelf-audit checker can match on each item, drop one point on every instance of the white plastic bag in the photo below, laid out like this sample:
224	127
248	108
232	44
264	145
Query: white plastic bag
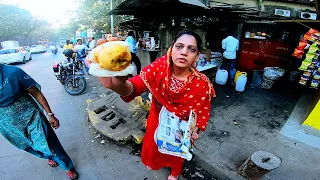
273	73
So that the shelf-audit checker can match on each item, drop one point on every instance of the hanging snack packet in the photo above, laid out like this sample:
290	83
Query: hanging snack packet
309	57
298	53
303	82
312	31
314	83
302	44
304	66
317	76
306	76
311	68
313	48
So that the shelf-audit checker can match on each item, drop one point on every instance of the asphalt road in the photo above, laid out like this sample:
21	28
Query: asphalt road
93	161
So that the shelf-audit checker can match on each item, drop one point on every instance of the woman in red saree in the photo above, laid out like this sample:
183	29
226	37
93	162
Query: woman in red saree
175	84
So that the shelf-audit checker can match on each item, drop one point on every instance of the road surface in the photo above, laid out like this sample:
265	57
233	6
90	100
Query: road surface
93	161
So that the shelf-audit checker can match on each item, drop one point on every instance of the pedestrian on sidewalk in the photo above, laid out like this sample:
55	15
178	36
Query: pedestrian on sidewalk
176	85
92	43
230	46
133	49
81	51
23	123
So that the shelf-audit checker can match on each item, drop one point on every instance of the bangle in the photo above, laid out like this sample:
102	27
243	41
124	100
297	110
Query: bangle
50	114
131	90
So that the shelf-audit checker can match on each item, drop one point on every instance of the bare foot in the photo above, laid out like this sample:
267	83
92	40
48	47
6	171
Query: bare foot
173	177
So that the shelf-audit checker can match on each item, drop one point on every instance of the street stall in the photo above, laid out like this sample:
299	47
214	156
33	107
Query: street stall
158	22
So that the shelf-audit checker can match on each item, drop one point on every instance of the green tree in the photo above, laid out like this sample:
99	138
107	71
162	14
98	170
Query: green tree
16	22
94	15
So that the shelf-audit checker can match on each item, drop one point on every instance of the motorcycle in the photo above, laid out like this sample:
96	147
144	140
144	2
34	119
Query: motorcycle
54	49
69	73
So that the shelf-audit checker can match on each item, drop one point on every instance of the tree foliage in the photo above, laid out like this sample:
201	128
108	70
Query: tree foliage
94	15
17	23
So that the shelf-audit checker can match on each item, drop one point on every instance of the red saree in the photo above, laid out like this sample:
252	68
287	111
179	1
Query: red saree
195	95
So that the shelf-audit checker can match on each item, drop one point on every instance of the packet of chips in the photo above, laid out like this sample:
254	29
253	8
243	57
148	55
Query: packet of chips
317	76
314	83
309	57
306	76
304	66
298	53
311	68
303	82
302	44
313	48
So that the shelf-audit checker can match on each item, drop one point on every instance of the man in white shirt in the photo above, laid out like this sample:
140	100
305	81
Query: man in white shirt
92	43
81	51
230	46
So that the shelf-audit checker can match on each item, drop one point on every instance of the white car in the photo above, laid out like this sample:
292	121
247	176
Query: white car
38	49
14	55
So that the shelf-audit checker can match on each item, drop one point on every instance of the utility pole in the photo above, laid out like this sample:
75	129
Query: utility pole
112	28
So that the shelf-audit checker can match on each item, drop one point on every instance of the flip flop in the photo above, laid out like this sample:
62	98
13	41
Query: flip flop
52	163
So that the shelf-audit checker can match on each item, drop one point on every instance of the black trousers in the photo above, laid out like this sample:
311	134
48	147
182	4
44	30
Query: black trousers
136	61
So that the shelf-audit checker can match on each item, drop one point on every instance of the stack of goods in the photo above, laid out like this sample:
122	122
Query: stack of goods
308	39
311	63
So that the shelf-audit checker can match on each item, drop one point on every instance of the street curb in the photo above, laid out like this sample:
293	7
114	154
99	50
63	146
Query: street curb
220	171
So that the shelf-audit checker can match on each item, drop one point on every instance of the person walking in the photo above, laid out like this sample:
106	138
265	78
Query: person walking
133	49
177	86
23	123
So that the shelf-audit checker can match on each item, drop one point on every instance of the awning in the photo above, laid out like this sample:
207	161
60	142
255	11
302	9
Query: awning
194	3
159	7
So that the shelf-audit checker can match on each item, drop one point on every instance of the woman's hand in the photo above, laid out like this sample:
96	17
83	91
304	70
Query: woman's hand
54	122
113	82
195	133
87	62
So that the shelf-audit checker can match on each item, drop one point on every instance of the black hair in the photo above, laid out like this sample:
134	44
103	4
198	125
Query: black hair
68	41
92	38
191	33
79	40
131	33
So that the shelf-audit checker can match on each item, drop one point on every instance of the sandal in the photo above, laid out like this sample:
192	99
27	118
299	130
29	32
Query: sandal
72	175
173	177
52	163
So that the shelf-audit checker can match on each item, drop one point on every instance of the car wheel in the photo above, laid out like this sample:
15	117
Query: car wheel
30	58
24	60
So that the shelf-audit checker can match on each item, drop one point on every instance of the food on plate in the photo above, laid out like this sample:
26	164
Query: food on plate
112	56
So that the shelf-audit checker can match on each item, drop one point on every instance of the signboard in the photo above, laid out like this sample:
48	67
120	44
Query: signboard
83	34
258	54
89	33
78	35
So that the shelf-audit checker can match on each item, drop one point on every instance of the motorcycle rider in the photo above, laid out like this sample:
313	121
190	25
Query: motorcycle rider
68	45
81	51
54	48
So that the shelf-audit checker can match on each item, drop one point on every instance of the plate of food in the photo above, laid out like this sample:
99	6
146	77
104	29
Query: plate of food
111	59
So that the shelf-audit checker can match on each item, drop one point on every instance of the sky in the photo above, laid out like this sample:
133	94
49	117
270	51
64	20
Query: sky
57	12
